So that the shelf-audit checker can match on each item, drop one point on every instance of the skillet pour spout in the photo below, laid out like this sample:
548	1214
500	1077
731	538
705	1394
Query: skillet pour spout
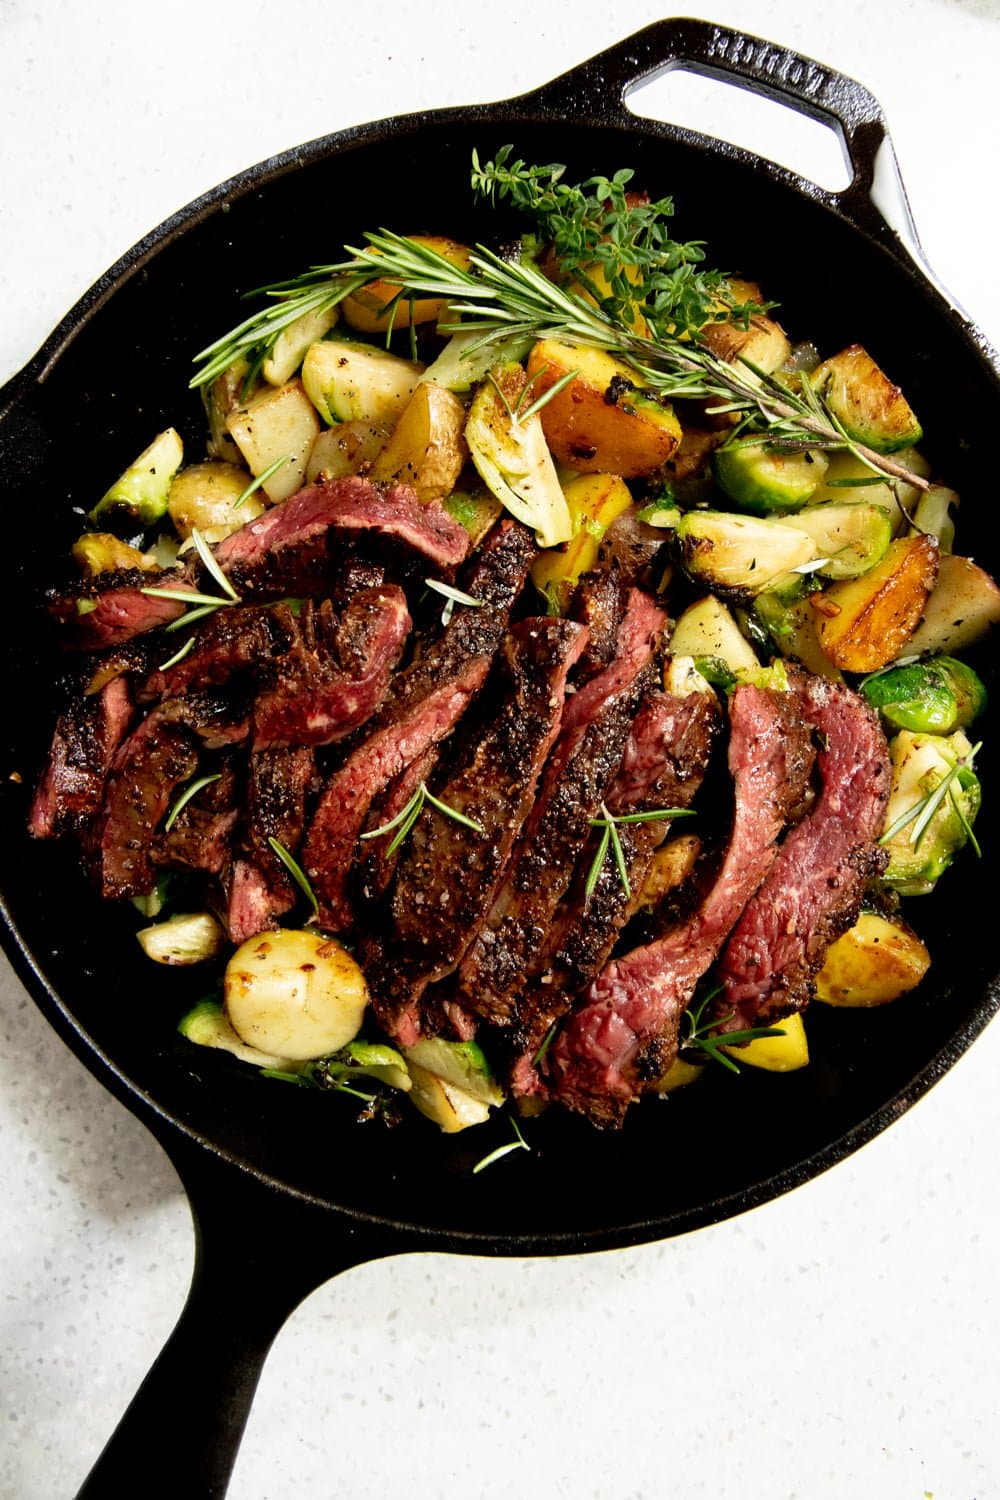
284	1193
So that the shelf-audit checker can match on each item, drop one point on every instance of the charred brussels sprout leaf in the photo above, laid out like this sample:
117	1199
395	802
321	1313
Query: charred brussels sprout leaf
928	697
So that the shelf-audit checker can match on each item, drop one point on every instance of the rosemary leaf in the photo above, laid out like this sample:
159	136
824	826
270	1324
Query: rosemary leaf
178	656
211	566
261	479
297	873
501	1151
187	597
185	797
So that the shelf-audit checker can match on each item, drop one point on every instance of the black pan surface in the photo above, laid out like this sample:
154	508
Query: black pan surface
95	379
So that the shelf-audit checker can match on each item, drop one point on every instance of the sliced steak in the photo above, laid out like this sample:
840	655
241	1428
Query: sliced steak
226	642
813	892
598	602
261	890
596	723
218	718
145	774
87	735
424	704
376	866
336	673
624	1036
450	871
199	837
287	548
665	760
111	608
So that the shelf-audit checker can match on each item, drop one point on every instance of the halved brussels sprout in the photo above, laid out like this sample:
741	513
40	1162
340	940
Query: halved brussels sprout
928	697
762	479
932	806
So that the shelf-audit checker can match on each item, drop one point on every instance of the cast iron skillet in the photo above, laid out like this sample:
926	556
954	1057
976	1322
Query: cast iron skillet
285	1190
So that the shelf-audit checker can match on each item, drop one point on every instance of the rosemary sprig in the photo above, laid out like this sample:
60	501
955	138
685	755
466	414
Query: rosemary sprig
610	838
189	791
204	551
706	1035
404	820
503	299
297	873
454	596
923	811
518	1145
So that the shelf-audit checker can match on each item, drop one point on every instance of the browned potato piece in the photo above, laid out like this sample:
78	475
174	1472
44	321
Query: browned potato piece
868	621
963	606
101	552
764	342
348	448
279	423
368	311
670	867
205	496
223	396
876	961
630	435
427	448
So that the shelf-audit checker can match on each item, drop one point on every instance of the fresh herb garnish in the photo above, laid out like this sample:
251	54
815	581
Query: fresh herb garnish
297	873
547	1041
610	838
262	479
404	820
189	791
178	656
706	1035
519	1145
501	299
921	814
204	551
454	596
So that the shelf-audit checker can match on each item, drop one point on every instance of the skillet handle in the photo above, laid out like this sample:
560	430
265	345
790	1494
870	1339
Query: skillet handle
255	1261
874	201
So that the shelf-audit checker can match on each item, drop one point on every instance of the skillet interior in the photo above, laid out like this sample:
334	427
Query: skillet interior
704	1153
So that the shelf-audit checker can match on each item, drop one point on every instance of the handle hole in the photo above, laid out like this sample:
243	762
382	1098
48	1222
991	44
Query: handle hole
733	113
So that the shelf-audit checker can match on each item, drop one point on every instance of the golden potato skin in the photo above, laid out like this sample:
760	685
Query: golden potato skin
866	622
427	449
369	310
205	495
630	436
873	963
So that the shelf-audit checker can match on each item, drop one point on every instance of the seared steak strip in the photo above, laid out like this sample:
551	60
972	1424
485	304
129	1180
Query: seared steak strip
625	1035
87	735
115	608
336	673
261	889
145	775
449	872
226	641
199	837
422	707
287	547
665	760
813	892
596	723
376	866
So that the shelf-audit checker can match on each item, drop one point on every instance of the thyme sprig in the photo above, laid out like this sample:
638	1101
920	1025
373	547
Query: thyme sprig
503	300
706	1035
609	824
404	820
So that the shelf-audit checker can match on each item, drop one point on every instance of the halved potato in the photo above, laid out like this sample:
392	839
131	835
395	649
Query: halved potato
875	961
203	496
279	423
867	622
764	342
963	606
295	993
369	311
776	1054
427	448
601	422
348	448
707	628
103	552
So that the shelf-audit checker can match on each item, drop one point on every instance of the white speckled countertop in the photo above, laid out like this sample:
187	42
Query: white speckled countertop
840	1342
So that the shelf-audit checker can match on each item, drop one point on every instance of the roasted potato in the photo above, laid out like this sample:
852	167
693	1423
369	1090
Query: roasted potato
427	448
370	311
963	606
867	622
875	961
204	496
279	423
295	993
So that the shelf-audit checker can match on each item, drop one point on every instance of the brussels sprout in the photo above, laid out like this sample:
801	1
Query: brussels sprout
932	806
512	458
929	697
740	555
140	493
762	479
462	1065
